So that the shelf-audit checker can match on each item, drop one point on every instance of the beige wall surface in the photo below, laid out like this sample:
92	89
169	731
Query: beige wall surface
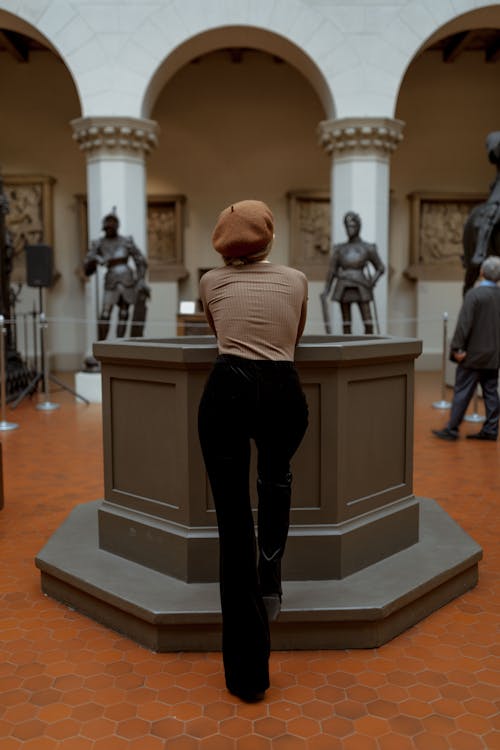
448	110
235	130
39	100
230	130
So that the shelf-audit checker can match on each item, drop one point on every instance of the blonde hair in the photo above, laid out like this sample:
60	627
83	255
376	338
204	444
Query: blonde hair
245	260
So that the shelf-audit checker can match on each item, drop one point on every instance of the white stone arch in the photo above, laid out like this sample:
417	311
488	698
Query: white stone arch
419	24
238	36
303	35
15	18
114	49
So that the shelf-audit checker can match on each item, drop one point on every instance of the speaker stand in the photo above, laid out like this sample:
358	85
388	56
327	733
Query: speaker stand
42	375
28	391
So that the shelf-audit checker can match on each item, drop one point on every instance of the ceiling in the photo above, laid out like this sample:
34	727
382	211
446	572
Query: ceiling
451	47
18	45
477	40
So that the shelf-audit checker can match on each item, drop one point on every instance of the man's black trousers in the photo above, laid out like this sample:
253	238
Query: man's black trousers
466	381
244	400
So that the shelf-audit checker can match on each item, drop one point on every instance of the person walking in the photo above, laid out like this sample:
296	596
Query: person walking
257	311
475	346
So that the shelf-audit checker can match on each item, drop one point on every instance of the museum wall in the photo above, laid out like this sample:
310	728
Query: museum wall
227	131
448	108
39	100
232	130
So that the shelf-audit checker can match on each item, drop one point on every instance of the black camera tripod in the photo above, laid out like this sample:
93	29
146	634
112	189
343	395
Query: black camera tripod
42	375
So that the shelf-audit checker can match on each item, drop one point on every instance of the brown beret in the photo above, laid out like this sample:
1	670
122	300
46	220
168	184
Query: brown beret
244	228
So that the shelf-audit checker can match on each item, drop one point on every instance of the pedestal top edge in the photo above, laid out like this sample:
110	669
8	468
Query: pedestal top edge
203	349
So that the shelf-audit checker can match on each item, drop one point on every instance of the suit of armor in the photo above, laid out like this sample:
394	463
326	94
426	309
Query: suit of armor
122	284
349	265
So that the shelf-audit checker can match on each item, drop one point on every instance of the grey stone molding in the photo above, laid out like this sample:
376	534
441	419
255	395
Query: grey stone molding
371	135
129	135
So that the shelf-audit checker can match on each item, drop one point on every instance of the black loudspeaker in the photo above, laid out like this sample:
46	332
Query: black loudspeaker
39	265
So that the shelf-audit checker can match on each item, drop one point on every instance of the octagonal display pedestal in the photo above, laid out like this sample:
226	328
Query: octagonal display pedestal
365	559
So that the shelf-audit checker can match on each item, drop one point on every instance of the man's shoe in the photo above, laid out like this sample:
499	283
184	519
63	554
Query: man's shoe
445	434
481	436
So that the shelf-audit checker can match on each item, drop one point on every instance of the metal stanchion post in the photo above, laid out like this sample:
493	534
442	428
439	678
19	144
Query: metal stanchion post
443	404
45	405
4	425
475	416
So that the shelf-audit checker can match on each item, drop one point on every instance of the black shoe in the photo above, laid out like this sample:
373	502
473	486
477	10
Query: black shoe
272	603
445	434
270	585
481	436
248	697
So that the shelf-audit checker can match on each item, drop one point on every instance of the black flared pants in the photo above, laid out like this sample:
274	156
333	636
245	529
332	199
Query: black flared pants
244	400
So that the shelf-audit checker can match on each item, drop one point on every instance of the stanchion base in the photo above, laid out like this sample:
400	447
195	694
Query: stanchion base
7	425
441	404
47	406
474	418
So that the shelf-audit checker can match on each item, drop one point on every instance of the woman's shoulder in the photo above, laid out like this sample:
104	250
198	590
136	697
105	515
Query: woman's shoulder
211	274
288	270
293	275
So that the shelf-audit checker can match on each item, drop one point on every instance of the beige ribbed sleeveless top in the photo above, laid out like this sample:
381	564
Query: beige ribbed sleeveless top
257	311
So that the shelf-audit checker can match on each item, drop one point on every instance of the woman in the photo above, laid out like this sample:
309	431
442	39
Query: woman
257	311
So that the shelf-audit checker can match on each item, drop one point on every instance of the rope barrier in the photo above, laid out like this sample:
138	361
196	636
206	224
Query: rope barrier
167	327
443	403
46	404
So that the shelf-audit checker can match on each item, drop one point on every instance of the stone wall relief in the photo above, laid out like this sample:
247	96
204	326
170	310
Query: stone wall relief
165	231
436	228
310	232
30	217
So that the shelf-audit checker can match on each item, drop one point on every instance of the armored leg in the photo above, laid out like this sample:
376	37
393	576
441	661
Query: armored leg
366	316
103	325
346	317
122	322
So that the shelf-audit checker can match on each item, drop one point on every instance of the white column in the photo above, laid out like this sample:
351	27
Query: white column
116	149
361	149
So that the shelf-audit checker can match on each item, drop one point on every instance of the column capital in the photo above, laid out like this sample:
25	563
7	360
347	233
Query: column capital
130	136
361	135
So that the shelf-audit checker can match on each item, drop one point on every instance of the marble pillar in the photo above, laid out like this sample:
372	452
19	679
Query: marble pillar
361	148
116	149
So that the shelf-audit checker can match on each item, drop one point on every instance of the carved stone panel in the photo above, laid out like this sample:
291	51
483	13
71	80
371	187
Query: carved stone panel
310	233
165	227
437	222
29	219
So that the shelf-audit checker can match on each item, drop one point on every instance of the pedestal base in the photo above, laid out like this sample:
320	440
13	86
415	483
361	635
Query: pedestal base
88	385
363	610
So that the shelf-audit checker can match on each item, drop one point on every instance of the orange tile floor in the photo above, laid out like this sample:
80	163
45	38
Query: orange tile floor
67	682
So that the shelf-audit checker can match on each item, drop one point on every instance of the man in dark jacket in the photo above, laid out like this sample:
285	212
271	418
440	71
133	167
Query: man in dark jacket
476	347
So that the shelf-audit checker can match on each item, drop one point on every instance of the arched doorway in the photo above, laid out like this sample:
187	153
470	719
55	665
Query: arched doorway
238	120
449	103
42	172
